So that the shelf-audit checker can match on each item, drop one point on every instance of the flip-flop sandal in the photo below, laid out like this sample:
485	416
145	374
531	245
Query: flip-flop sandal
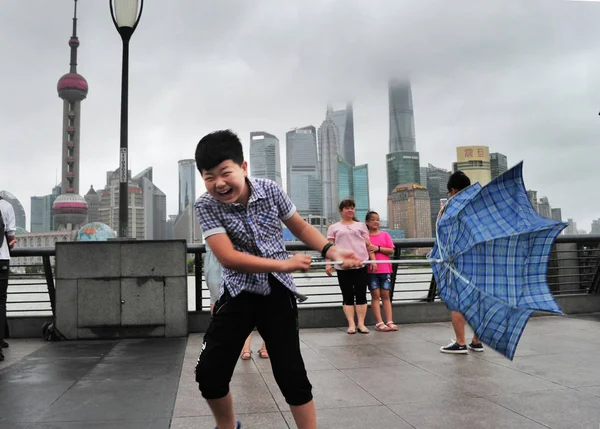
351	331
363	330
382	327
246	355
262	353
392	326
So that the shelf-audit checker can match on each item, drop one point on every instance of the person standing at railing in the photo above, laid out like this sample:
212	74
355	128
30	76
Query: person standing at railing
7	242
456	183
241	218
349	233
380	281
212	274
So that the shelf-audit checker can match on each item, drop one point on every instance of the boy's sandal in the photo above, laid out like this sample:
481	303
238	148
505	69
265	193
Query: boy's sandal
363	330
382	327
262	353
392	326
246	355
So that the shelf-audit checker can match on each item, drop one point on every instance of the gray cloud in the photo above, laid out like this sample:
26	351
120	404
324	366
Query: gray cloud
520	77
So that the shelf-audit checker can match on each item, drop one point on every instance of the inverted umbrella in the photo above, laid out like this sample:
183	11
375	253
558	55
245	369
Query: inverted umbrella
491	257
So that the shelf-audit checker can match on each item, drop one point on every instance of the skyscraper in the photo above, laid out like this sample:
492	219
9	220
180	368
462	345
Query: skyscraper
302	171
474	161
93	201
544	208
345	181
571	228
70	208
146	204
108	210
328	160
344	120
498	164
402	161
556	214
155	206
41	213
533	199
402	120
409	210
360	182
423	171
437	181
187	183
264	156
402	167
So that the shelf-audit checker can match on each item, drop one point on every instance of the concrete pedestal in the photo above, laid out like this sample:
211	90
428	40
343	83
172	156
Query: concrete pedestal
119	289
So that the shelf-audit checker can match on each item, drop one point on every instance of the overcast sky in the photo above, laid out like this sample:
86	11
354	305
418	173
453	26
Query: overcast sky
522	77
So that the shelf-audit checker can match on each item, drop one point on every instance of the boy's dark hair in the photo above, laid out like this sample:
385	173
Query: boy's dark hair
369	214
216	147
459	181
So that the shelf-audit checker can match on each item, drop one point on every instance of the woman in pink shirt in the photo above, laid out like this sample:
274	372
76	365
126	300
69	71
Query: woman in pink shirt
380	280
352	235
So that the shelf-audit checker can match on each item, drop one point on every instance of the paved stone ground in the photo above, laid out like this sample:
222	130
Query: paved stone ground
380	380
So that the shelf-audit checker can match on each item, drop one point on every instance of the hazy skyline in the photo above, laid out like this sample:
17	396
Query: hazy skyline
519	77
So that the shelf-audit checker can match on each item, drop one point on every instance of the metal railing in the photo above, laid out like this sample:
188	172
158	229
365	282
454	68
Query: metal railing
31	290
570	271
574	268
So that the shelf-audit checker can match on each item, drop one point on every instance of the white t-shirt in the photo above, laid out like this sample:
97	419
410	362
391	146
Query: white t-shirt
8	215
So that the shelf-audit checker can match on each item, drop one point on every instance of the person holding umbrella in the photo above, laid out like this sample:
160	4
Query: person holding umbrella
456	183
490	259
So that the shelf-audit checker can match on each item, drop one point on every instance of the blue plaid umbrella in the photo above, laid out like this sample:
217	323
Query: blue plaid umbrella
490	259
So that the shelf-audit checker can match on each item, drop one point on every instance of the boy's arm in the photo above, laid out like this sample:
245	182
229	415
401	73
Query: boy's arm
232	259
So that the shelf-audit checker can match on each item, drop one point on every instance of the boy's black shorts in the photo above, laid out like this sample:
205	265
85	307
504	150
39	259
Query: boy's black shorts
276	318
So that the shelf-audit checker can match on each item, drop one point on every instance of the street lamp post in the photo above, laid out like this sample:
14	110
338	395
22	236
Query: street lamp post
125	15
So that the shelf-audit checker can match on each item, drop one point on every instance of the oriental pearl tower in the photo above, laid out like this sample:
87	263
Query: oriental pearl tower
70	208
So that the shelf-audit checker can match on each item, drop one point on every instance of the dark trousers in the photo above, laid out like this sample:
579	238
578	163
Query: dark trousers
4	266
353	284
276	318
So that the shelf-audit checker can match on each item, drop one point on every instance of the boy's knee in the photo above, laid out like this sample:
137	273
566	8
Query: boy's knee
210	384
298	392
299	399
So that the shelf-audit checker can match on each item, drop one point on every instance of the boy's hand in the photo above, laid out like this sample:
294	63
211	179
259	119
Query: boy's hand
298	262
350	260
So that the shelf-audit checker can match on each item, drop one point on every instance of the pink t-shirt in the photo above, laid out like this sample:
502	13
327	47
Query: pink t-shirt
382	239
351	237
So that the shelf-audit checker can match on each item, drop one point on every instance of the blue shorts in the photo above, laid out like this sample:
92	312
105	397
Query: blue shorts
380	281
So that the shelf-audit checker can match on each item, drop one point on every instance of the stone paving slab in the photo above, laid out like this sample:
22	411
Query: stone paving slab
387	380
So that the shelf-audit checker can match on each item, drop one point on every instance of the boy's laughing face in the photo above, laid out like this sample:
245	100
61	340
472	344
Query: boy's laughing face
227	182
